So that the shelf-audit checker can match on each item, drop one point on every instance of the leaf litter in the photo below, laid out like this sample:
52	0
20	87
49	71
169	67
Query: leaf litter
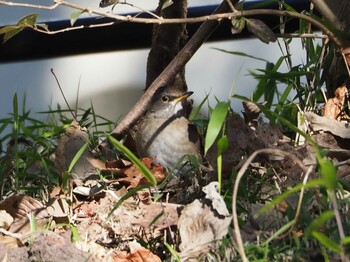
138	228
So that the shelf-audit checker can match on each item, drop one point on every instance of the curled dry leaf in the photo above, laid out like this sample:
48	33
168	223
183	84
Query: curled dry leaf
251	111
319	123
202	222
261	30
19	206
334	106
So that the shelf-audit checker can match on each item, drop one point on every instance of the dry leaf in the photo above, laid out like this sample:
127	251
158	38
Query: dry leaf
115	166
5	219
319	123
334	106
261	30
203	222
58	207
70	143
135	178
19	206
139	255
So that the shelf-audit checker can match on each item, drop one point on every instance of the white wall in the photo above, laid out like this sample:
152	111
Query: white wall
113	81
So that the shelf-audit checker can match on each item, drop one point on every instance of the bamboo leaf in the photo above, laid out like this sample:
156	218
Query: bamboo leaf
143	169
215	123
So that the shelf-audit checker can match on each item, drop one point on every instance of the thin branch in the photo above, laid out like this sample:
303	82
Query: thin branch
142	9
300	201
46	7
240	174
216	16
71	28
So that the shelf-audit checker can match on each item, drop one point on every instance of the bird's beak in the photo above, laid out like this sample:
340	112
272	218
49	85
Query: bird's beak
183	96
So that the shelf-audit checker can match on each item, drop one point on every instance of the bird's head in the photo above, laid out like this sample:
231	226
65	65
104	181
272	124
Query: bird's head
168	104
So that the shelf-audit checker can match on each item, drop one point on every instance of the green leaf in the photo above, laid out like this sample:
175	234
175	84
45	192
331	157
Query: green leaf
329	173
318	222
167	3
173	252
130	193
43	26
77	156
238	25
143	169
345	240
280	231
223	144
74	234
10	31
28	20
74	16
283	98
263	84
240	54
261	30
215	123
284	195
327	242
196	111
7	29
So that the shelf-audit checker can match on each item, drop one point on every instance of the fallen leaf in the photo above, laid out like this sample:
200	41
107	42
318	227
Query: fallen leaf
135	178
19	206
201	223
140	255
5	219
334	106
70	143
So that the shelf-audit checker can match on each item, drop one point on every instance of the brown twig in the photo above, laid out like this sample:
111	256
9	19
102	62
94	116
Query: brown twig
240	174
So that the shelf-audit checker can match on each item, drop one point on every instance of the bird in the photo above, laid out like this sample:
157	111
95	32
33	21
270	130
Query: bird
166	135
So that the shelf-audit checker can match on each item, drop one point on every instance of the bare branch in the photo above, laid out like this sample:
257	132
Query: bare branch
216	16
50	7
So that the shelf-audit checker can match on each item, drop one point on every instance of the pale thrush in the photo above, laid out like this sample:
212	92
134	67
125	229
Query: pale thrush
166	134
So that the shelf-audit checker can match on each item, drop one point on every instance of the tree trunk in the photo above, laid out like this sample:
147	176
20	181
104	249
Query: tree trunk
167	41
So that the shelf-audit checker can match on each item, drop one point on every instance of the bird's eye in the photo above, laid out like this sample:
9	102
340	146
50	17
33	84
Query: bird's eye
165	99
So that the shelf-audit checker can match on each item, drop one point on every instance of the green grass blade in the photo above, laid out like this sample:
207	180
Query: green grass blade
318	222
327	242
130	193
172	252
77	156
143	169
196	111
